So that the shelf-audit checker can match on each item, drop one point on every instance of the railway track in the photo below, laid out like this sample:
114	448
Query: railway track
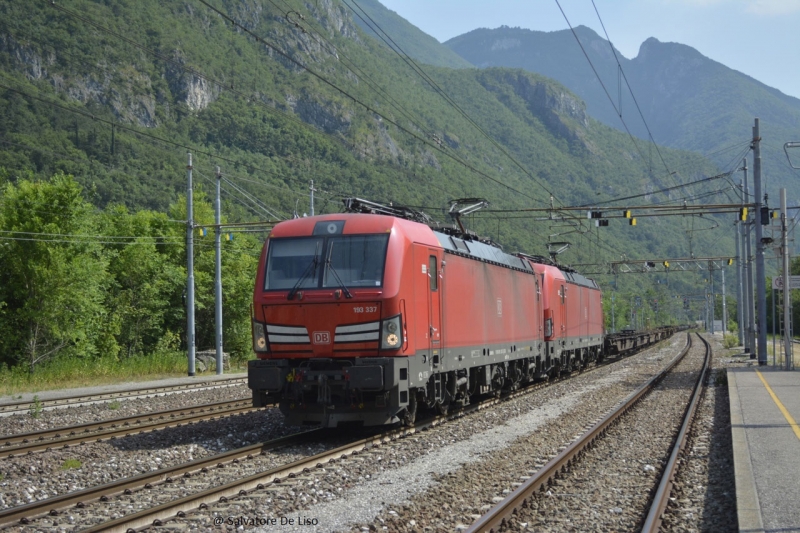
46	440
28	406
515	510
84	507
82	501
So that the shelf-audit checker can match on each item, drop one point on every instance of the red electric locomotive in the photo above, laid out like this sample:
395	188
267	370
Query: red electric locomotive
361	318
573	317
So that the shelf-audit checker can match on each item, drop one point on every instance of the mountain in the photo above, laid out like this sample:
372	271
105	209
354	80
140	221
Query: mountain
116	93
379	22
688	100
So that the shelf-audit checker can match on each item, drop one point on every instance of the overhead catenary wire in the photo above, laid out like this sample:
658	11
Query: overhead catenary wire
194	150
610	99
222	85
630	90
358	101
200	75
421	72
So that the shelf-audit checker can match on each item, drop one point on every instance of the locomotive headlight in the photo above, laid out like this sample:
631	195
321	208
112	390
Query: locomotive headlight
391	333
259	338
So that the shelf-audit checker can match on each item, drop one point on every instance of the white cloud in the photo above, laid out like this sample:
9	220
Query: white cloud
756	7
773	7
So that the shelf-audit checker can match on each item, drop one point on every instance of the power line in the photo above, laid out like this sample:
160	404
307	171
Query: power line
421	72
218	83
619	65
355	99
610	99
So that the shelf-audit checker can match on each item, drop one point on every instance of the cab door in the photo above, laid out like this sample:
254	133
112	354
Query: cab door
562	305
428	290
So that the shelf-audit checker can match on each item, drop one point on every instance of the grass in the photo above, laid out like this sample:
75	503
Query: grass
36	408
114	405
69	464
68	373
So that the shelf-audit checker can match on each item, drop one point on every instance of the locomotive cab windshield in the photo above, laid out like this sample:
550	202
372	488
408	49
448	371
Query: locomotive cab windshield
340	262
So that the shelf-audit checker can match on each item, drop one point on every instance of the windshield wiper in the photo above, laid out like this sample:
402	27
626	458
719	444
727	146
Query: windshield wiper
311	270
329	265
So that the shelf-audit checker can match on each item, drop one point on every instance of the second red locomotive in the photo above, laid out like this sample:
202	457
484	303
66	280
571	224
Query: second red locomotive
362	318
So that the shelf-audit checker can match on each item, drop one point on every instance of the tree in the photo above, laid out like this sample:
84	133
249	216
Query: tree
147	281
54	273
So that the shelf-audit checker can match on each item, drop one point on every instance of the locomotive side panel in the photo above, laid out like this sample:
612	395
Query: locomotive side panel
490	312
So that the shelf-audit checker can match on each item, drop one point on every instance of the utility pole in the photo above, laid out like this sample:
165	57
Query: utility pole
613	320
739	307
750	307
787	286
713	299
218	273
312	197
724	305
761	296
190	340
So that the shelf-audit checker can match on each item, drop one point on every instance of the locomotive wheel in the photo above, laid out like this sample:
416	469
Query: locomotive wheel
409	416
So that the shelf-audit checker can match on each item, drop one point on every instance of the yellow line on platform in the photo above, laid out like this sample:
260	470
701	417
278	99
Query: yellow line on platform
775	399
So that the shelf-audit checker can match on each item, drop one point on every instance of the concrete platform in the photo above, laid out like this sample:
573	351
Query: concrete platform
765	405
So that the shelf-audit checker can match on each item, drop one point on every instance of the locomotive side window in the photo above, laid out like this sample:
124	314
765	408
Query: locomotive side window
563	293
433	273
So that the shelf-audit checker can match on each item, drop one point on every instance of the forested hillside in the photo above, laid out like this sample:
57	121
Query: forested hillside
114	93
689	101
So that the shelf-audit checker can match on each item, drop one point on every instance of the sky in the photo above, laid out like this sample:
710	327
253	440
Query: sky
760	38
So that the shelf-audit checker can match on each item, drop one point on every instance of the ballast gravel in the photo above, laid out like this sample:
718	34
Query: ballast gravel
437	480
46	474
97	412
393	485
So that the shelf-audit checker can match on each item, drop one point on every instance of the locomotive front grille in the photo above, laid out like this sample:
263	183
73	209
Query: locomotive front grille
287	334
369	332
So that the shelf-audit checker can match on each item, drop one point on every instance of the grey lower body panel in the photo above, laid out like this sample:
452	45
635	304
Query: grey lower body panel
379	390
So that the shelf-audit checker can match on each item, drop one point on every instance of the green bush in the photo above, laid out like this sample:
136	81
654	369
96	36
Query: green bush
730	340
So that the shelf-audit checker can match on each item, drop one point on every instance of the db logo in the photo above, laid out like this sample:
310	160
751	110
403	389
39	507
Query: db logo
322	337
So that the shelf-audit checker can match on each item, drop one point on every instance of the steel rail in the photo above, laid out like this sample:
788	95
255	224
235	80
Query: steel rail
76	401
497	515
25	513
652	523
179	508
48	439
